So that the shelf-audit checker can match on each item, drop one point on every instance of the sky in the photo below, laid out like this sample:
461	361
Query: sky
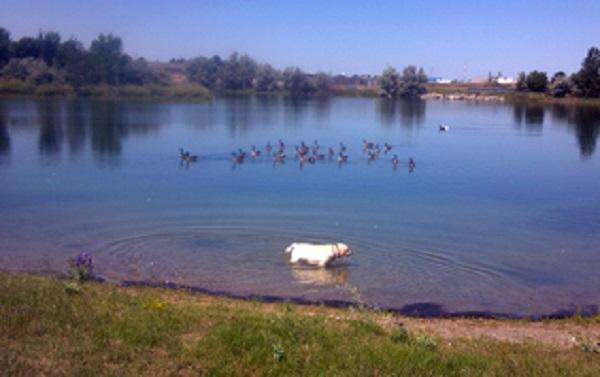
454	39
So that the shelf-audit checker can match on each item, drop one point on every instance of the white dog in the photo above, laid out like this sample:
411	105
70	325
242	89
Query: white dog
319	254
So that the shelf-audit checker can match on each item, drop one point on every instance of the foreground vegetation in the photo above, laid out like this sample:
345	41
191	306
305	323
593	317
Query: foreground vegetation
57	327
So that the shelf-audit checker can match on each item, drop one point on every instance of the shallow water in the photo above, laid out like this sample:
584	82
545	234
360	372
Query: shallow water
500	215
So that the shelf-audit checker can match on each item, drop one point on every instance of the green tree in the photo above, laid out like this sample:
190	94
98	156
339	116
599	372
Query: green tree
296	81
322	82
48	44
25	47
106	59
208	72
560	85
389	82
588	77
4	46
73	57
266	78
412	82
537	81
521	84
239	72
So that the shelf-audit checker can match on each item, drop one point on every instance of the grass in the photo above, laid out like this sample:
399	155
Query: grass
55	327
180	91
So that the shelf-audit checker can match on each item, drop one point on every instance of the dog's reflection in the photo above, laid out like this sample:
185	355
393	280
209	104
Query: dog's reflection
321	276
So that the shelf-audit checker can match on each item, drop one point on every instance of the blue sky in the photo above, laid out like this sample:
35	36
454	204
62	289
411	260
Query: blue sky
447	38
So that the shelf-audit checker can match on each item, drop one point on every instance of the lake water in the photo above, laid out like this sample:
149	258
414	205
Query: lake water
500	215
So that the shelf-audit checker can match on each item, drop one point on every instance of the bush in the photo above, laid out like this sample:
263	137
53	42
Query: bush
425	342
400	335
537	81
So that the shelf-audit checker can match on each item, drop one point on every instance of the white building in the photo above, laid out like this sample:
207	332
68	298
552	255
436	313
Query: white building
505	80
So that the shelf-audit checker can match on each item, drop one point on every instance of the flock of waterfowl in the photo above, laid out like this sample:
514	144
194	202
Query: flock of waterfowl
306	154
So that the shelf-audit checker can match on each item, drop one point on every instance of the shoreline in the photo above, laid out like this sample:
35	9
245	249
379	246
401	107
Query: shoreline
52	326
417	310
200	95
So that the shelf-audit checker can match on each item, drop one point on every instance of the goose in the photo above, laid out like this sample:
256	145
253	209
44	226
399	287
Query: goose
278	157
377	150
387	147
342	157
318	156
444	127
238	158
367	144
371	156
281	145
395	160
316	145
411	163
254	152
331	152
186	156
342	147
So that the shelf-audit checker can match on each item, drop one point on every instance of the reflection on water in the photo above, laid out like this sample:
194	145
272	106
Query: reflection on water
586	122
409	113
4	135
321	276
50	129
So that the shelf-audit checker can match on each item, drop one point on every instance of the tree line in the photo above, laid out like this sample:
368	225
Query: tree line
583	83
48	60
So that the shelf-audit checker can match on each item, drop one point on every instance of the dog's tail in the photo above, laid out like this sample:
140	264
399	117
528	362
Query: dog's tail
290	248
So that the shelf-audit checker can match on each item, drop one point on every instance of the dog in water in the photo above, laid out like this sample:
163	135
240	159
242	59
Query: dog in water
317	254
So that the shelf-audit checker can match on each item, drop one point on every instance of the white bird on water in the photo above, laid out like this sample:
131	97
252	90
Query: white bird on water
444	127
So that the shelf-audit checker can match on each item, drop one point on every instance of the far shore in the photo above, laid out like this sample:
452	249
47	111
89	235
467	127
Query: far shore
194	92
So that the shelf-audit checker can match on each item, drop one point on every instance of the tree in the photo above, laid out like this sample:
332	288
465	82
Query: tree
25	47
239	72
588	77
4	46
560	85
296	82
323	82
73	57
389	82
537	81
48	45
412	82
208	72
521	84
266	78
106	59
138	72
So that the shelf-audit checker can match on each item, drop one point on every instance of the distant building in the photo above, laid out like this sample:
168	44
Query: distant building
174	70
502	80
439	80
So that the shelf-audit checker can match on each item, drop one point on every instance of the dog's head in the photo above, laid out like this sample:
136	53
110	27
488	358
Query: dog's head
342	250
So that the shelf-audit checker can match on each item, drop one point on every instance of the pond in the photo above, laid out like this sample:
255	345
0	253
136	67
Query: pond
500	215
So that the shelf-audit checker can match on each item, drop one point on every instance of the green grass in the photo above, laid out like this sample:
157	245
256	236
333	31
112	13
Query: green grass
51	327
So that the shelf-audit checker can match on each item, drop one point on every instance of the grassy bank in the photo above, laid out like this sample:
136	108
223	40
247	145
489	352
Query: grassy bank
52	327
181	91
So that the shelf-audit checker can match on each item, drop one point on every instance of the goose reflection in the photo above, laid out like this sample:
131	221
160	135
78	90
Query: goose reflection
321	276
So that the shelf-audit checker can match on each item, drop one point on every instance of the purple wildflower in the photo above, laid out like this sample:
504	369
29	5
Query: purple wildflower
81	267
